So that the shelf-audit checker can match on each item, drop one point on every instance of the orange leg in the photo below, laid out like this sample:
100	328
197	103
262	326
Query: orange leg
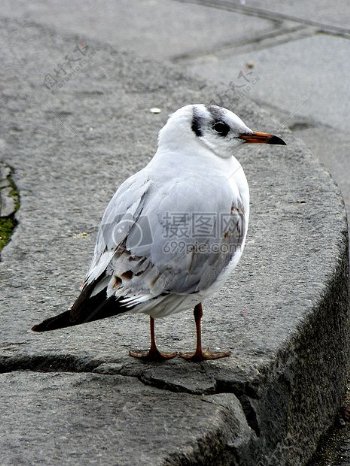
199	354
153	354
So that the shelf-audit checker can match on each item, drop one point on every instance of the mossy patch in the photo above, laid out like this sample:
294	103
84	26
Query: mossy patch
8	224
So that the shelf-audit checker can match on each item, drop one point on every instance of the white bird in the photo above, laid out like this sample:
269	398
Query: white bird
175	230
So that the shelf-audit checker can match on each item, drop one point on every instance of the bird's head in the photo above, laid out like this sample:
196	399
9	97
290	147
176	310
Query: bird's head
216	128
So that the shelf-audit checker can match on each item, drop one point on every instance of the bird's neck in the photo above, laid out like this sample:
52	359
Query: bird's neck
191	159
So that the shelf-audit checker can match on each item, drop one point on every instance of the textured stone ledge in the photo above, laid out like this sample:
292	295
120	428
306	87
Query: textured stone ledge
75	396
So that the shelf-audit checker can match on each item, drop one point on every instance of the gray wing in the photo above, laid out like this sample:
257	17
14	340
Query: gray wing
119	218
148	244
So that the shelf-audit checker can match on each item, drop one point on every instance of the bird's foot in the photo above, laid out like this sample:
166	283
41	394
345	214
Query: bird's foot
152	355
205	355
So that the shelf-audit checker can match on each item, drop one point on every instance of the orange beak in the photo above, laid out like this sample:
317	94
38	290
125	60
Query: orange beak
258	137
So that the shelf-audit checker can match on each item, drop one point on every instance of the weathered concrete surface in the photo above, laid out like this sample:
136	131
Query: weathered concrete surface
100	419
283	314
294	62
332	149
143	26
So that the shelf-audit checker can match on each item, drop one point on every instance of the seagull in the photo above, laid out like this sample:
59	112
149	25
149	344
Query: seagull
174	231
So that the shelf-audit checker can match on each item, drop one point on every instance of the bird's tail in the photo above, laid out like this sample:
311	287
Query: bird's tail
85	309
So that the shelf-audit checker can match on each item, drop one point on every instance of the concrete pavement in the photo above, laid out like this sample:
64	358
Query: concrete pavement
297	53
55	136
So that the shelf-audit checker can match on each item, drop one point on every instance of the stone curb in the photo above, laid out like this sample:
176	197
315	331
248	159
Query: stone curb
284	313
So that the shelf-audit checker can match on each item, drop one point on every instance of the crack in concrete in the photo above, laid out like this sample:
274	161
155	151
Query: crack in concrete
262	41
47	363
270	15
72	364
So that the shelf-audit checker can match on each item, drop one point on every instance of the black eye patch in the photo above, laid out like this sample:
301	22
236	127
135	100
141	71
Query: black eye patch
197	123
221	128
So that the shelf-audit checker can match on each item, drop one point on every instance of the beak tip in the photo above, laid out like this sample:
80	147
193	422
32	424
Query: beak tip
276	140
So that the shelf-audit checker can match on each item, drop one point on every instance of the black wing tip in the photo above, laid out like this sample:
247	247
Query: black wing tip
43	326
48	325
95	308
37	328
53	323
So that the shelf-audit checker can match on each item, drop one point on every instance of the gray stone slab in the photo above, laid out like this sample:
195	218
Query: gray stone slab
329	145
154	29
305	77
332	149
70	419
278	314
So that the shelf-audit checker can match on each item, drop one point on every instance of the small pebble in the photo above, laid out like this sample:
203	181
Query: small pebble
341	422
82	234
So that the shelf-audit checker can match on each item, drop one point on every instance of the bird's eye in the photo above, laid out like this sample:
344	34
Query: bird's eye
221	128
